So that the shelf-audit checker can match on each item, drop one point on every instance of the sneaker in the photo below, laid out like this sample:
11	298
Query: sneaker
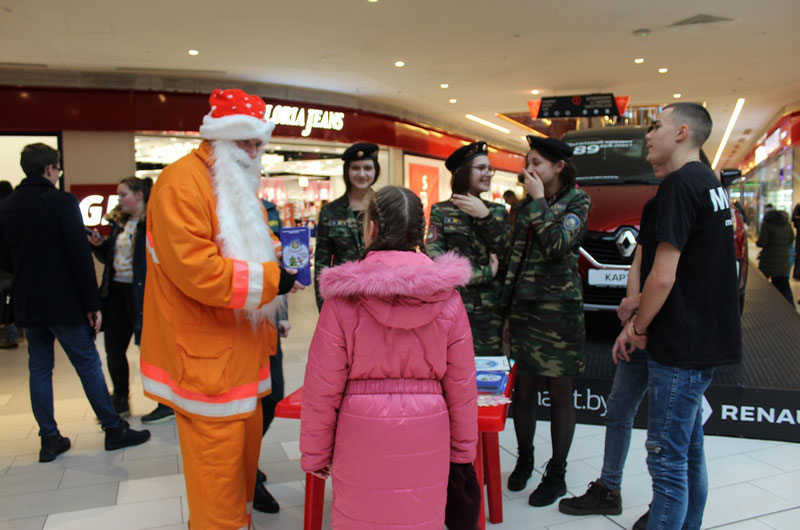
161	414
598	499
121	405
52	446
263	501
124	436
522	472
552	486
641	523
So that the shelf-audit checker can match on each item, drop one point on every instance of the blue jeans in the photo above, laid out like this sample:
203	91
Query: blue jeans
627	392
675	455
78	343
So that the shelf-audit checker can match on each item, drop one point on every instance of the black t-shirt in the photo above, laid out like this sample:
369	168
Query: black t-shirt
699	324
647	239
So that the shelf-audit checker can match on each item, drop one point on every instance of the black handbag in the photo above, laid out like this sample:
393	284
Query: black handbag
463	498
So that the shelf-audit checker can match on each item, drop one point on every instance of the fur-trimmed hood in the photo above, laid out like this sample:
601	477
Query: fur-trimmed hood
400	289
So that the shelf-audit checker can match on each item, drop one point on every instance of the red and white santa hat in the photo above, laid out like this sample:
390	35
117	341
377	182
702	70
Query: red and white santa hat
235	115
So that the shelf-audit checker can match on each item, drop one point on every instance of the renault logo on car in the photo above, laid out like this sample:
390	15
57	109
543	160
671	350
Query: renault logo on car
626	242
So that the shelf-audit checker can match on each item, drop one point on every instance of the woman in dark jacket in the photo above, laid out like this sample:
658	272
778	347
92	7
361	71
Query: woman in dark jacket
796	223
122	288
340	229
775	240
543	291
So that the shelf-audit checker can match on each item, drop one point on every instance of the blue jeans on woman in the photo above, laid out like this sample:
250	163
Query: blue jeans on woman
627	392
78	343
675	455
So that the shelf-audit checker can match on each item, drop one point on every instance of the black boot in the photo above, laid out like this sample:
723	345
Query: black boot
124	436
263	501
552	485
641	523
598	499
121	405
260	476
52	446
522	472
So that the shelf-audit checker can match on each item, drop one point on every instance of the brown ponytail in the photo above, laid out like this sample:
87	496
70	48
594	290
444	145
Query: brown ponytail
400	219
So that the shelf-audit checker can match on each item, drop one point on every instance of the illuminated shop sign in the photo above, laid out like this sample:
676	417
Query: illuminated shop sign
305	117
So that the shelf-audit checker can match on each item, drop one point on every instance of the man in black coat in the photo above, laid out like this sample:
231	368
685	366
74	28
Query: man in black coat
55	296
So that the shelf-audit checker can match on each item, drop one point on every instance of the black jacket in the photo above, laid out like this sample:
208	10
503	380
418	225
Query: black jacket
775	239
105	254
55	284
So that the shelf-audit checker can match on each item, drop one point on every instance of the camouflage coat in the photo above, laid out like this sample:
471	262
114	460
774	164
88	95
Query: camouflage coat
544	258
340	238
452	229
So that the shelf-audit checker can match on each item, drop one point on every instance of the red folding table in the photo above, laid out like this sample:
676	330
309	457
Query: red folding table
491	420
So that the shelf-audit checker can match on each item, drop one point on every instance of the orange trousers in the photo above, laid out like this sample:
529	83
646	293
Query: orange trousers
220	459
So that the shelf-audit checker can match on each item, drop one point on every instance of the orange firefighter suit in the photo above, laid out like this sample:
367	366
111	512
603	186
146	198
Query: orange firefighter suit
198	354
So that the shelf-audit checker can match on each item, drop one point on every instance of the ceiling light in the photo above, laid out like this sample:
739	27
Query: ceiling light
734	116
373	1
676	95
444	85
453	100
639	60
663	70
487	123
535	91
399	64
194	52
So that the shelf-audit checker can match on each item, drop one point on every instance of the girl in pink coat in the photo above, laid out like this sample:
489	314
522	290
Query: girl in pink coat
390	398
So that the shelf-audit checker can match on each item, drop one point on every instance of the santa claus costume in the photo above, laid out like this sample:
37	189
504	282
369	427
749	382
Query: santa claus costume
209	306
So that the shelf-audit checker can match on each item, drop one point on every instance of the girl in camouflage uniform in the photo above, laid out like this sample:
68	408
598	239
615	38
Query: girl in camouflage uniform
478	230
340	228
543	290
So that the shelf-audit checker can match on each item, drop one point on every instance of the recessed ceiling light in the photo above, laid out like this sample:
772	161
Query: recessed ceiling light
639	60
194	52
453	100
676	95
535	91
373	1
444	85
663	70
399	64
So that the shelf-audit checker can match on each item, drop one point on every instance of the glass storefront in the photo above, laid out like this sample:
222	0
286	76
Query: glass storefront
771	182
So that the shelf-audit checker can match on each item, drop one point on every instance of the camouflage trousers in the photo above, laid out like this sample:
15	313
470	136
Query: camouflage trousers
548	338
487	326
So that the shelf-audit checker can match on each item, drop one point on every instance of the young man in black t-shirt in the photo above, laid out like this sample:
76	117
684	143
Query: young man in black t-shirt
688	317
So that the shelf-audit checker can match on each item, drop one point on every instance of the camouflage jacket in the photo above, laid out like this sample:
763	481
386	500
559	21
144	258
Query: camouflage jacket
452	229
544	255
340	238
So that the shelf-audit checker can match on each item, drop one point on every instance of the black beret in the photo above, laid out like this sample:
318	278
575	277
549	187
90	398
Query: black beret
464	154
550	146
360	151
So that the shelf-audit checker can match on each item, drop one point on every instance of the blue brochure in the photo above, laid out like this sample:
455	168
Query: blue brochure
491	382
295	243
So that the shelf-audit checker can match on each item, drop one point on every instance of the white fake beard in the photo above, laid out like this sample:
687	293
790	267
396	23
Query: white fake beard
243	230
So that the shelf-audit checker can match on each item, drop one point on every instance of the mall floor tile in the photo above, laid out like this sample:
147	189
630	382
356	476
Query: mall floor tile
753	483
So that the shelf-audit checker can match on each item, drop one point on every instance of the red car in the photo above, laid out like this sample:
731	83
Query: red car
613	169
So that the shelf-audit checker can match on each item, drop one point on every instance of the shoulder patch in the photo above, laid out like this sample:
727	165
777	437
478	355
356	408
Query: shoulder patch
571	222
433	234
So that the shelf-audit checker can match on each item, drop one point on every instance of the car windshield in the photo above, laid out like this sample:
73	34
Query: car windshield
611	161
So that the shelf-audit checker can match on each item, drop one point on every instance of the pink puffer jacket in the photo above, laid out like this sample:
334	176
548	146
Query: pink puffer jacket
390	396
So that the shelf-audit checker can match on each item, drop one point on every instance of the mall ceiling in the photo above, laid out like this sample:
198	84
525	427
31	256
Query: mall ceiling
491	54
